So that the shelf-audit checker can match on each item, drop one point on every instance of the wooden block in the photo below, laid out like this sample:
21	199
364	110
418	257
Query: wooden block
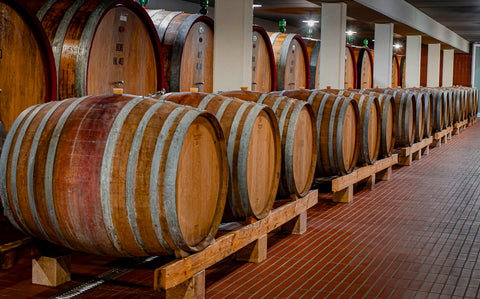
343	196
426	150
16	252
417	155
193	287
385	174
371	182
255	252
51	271
405	161
297	225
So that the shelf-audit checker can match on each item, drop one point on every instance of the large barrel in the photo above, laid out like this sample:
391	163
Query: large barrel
370	125
264	75
98	44
387	135
449	107
116	175
187	44
428	108
27	75
364	67
291	60
253	147
350	80
298	137
419	101
457	105
395	71
313	50
337	120
403	66
439	110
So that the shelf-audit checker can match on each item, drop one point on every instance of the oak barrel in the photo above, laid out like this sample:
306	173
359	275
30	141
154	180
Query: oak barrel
187	44
388	112
116	175
313	50
27	75
440	109
264	75
364	67
253	147
350	68
419	101
337	120
291	60
395	71
98	44
403	66
298	135
457	105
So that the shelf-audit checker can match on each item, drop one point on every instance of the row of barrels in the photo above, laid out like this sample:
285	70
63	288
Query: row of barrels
139	176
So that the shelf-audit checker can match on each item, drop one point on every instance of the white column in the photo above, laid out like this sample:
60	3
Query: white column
433	65
447	72
413	57
232	52
382	65
332	49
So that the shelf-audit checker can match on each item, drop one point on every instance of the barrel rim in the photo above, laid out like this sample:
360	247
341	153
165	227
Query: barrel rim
273	80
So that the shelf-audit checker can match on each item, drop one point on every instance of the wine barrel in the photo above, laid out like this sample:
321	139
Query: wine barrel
187	44
370	125
313	50
350	68
419	102
28	75
337	120
298	137
405	105
116	175
264	75
98	44
439	110
291	60
428	108
253	147
457	107
387	135
364	67
403	65
449	104
395	71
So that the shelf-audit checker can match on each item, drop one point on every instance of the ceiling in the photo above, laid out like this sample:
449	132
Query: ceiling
461	16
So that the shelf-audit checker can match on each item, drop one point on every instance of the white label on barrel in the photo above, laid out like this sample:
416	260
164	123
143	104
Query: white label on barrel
123	18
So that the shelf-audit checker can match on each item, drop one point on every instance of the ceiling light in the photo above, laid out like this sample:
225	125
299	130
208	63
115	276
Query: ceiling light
397	46
257	5
350	32
310	23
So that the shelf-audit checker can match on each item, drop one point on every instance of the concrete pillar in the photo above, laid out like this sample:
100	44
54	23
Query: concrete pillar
382	65
413	58
433	65
447	72
232	53
332	49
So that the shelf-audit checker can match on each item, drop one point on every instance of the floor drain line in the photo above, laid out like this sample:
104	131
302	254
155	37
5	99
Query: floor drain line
99	280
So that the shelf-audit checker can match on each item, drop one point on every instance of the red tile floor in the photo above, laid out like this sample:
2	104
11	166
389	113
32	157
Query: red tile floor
415	236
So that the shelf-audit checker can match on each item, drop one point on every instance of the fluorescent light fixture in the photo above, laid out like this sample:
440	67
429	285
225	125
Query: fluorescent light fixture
310	23
350	32
257	5
397	46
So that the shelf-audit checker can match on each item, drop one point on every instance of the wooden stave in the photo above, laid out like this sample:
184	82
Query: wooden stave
238	205
64	119
67	24
350	54
173	52
280	62
313	49
273	72
364	51
396	72
287	132
332	164
47	59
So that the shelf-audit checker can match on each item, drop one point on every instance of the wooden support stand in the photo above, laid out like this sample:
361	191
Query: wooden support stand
441	137
185	278
342	187
414	152
51	271
16	252
458	127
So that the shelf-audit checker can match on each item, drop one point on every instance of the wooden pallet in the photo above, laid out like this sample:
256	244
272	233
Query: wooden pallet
15	246
342	187
472	121
185	277
458	127
441	137
414	152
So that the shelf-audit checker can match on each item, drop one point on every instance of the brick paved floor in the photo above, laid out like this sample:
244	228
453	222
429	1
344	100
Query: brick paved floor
415	236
